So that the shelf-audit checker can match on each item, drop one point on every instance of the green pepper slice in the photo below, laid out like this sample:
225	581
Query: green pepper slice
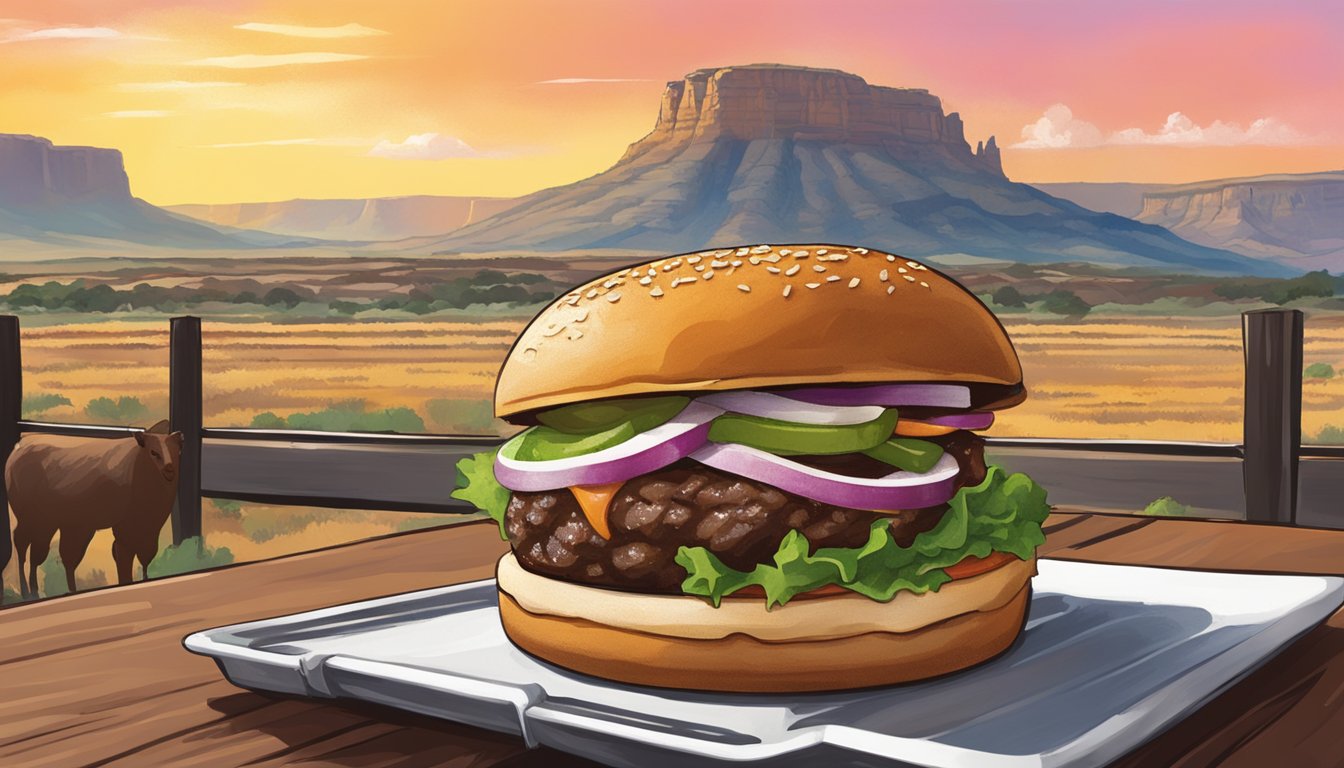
547	444
907	453
787	438
642	413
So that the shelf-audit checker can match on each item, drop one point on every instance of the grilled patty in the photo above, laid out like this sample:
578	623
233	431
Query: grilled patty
689	504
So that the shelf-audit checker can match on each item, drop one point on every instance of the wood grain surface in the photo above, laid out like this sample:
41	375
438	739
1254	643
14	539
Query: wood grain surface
101	678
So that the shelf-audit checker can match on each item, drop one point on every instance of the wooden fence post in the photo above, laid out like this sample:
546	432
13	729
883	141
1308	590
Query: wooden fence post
184	415
11	406
1272	429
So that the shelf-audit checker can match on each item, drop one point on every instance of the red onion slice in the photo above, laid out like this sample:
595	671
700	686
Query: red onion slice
772	406
899	490
967	420
927	395
643	453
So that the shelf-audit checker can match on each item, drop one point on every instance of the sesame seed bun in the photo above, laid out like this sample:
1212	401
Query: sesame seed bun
752	317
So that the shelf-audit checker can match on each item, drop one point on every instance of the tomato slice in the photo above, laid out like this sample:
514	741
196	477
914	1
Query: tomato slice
974	566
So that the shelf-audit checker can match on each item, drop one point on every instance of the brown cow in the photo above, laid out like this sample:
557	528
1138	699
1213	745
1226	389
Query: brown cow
79	485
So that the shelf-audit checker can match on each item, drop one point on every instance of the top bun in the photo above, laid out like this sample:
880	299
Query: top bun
753	317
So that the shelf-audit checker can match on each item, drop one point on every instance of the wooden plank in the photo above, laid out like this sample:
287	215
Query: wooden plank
1272	424
184	415
11	406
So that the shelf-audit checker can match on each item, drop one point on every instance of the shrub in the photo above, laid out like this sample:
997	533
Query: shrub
346	416
41	402
228	508
10	596
1329	435
191	555
1008	296
54	582
1166	507
1065	302
124	410
278	296
461	415
1319	371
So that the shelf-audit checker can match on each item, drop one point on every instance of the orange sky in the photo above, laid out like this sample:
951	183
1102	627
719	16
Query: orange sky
240	100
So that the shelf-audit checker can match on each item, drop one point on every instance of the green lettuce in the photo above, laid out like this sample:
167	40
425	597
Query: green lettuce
476	485
1001	514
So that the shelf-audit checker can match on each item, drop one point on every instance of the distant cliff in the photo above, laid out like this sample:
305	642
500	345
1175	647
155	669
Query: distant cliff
378	218
82	196
768	153
1296	219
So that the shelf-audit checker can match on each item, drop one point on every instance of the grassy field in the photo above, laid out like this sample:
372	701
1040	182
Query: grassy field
1102	376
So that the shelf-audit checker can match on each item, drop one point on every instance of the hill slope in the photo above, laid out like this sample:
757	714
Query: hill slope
769	153
379	218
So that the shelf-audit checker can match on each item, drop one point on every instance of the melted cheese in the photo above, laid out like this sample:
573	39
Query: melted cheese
921	429
594	501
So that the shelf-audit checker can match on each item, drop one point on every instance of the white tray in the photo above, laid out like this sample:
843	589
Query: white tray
1110	656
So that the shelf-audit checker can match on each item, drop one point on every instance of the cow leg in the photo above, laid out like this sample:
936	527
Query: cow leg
72	548
21	549
146	554
125	559
38	549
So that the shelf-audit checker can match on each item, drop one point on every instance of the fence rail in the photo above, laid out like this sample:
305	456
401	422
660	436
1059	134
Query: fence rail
1268	477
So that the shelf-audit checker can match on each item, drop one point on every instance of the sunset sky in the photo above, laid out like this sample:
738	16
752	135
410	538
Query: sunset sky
248	100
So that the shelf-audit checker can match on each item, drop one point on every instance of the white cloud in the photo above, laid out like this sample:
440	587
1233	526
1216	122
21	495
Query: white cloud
424	146
174	85
297	30
136	113
1059	129
262	60
62	33
578	80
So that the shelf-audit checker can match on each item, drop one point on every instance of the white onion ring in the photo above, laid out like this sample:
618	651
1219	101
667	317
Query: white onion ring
666	443
927	395
772	406
899	490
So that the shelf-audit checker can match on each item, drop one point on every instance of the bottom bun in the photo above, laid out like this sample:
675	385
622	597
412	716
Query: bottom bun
742	663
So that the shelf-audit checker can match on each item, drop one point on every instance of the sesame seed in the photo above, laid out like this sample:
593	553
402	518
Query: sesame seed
676	262
613	297
791	271
883	275
592	294
909	279
699	267
772	258
818	268
891	289
890	257
832	278
840	257
576	334
754	261
687	279
656	292
761	249
812	285
742	251
667	267
921	268
530	353
921	282
718	264
821	251
623	272
611	284
744	288
709	274
860	251
785	251
911	264
723	252
902	270
583	315
651	272
800	254
854	282
735	263
645	280
552	329
693	260
772	270
787	290
572	300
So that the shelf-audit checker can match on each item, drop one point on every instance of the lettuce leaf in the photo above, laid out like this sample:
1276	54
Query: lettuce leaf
1002	514
476	485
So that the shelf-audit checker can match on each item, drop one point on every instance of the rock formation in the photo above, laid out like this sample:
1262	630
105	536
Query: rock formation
379	218
770	154
34	172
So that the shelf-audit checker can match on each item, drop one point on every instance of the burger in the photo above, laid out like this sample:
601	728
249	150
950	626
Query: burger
757	469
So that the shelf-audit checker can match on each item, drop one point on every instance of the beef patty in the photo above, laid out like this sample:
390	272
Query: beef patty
689	504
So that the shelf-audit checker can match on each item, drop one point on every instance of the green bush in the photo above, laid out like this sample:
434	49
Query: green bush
1008	296
1329	435
1319	371
1318	283
54	582
10	596
41	402
345	416
228	508
1065	302
1166	507
124	410
191	555
461	415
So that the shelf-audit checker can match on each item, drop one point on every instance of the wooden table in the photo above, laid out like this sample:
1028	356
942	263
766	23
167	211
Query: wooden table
101	678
